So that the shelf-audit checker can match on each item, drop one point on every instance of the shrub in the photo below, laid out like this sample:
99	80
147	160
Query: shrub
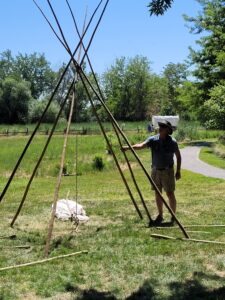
214	108
180	134
37	109
222	139
98	163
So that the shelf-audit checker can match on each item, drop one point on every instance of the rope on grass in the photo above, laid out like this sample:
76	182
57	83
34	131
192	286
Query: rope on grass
166	237
42	261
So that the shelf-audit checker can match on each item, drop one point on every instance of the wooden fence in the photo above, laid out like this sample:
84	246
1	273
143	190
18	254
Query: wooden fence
82	131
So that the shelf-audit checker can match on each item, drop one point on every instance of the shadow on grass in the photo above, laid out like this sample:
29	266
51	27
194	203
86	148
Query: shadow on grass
191	289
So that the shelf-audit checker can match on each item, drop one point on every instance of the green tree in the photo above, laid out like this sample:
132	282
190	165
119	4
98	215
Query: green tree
15	97
114	85
210	58
158	95
214	108
126	86
176	75
137	88
65	83
6	64
82	107
33	68
187	100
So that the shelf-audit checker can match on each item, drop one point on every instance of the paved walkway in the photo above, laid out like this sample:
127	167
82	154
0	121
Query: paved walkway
191	162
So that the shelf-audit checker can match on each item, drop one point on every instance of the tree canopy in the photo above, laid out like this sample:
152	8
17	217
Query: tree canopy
15	98
159	7
132	91
209	59
33	68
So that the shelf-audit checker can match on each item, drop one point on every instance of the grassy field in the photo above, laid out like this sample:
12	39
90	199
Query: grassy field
214	155
123	261
187	131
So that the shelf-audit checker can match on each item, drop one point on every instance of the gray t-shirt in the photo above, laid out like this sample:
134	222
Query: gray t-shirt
162	151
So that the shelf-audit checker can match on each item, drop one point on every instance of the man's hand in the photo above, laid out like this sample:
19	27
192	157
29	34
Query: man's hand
178	175
124	148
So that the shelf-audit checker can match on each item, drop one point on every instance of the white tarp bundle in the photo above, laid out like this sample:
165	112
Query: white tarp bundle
67	209
172	119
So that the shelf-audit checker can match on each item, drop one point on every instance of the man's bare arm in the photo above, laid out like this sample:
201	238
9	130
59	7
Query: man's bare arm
136	146
178	156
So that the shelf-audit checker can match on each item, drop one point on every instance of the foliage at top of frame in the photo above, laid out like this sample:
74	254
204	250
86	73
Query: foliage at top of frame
159	7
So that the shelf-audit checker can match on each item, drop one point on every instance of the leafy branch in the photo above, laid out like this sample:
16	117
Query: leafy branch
159	7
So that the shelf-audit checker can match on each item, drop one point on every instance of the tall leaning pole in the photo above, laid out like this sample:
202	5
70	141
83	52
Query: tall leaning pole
87	84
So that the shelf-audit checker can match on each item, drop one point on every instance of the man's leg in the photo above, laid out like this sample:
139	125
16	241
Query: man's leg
172	201
169	186
156	178
159	204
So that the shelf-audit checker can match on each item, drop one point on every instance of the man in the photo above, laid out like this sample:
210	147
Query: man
163	148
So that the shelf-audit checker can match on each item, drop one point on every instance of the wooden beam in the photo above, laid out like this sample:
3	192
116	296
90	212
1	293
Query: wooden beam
166	237
42	261
191	226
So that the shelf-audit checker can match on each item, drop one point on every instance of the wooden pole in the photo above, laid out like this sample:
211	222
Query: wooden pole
132	175
46	108
84	77
59	180
38	262
80	71
166	237
40	158
43	152
192	226
205	225
78	66
63	155
118	137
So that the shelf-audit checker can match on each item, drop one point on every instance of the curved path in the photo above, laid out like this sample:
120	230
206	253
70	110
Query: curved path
191	162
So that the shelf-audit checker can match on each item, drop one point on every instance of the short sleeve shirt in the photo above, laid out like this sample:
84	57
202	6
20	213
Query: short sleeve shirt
162	151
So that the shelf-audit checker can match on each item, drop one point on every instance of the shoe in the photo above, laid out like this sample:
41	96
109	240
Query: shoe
158	221
151	223
172	221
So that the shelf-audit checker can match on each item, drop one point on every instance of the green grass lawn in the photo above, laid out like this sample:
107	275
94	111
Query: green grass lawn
123	261
208	155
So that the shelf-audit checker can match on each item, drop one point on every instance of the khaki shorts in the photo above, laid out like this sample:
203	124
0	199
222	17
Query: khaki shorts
164	179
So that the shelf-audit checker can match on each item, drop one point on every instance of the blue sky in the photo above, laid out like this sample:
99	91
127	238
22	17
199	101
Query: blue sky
126	30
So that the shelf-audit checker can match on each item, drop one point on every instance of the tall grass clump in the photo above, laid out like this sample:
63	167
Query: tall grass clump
187	132
192	131
219	147
98	163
